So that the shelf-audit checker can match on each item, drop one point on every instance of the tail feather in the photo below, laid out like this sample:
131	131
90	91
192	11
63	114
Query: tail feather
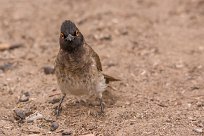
110	78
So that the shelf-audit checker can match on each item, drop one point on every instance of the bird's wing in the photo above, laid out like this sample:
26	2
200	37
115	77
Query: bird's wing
110	78
99	66
96	58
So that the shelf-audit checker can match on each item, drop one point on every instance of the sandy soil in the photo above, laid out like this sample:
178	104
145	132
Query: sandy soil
155	46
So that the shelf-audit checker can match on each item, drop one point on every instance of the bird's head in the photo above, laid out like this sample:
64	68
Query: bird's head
71	38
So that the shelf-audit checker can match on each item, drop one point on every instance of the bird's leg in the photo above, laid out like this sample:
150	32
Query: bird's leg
101	103
59	107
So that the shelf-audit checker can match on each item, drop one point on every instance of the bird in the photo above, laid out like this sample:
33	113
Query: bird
78	67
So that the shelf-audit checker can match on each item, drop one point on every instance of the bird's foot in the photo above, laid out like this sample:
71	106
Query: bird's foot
58	110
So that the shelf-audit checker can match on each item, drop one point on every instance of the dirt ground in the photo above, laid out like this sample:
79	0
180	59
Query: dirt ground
155	46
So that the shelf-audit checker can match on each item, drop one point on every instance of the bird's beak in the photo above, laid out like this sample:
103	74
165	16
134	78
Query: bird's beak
70	37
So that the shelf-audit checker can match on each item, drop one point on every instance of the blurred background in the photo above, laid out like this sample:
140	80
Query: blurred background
156	47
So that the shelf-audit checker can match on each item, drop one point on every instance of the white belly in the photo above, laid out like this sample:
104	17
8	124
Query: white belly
73	88
82	86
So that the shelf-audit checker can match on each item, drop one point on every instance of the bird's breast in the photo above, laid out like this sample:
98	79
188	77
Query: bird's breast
79	79
74	84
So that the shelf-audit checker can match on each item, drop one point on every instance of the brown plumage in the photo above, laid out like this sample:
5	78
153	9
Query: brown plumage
78	68
99	67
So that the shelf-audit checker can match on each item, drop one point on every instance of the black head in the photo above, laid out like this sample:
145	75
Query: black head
71	38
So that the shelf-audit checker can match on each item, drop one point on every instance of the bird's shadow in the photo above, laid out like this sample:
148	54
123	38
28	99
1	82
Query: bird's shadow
90	104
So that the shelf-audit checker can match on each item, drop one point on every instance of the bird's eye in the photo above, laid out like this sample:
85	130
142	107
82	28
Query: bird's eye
77	33
62	35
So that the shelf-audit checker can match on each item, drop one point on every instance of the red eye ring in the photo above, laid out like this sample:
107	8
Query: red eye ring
62	35
77	33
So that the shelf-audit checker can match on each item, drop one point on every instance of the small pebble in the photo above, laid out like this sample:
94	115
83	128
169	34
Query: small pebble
127	102
111	64
48	70
198	130
54	100
88	135
6	66
67	133
48	119
200	104
123	31
54	126
103	37
24	97
161	104
195	87
6	46
20	114
106	37
34	117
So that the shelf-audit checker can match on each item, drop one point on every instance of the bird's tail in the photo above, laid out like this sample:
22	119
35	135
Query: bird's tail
110	78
